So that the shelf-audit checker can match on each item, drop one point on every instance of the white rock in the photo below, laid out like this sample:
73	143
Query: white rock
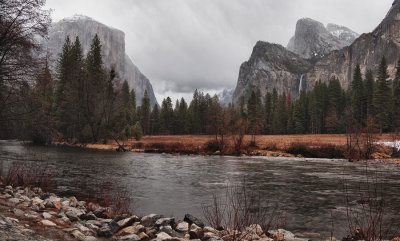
182	227
163	236
48	223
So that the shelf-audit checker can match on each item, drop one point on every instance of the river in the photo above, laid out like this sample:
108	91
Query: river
309	191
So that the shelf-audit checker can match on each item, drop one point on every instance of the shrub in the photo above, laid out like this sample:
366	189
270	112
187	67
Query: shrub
137	131
313	151
238	209
214	146
32	174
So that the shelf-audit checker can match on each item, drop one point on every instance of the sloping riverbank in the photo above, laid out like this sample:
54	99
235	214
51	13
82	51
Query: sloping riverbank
31	214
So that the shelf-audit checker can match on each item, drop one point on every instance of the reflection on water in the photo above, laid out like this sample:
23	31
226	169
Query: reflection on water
310	191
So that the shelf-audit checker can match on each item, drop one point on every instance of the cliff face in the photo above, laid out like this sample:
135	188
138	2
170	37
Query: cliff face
271	66
113	49
268	69
313	40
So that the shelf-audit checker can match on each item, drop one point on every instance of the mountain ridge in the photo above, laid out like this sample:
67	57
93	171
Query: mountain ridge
367	50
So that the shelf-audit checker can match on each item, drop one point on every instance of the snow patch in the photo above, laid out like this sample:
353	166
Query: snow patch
395	144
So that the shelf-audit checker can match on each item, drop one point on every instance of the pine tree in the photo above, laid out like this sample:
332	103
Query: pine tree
382	99
95	91
155	120
41	123
357	97
63	75
145	113
369	92
166	116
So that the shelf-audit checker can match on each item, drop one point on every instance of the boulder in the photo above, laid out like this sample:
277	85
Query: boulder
105	231
127	221
78	235
182	227
46	215
14	201
193	220
130	237
135	229
48	223
88	216
196	232
255	229
163	236
150	219
164	222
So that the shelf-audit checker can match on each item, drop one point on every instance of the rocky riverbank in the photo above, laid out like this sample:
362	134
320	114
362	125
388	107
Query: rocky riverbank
31	214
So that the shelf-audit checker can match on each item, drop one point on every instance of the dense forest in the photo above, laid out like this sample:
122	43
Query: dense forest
84	101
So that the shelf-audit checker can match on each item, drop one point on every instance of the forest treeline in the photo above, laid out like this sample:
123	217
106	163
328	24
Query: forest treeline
84	101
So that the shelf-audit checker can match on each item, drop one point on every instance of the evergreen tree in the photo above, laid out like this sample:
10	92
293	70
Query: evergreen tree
155	120
166	116
382	99
95	90
369	92
358	97
41	122
145	113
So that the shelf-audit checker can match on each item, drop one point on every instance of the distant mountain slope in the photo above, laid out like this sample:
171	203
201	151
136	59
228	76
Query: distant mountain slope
113	49
272	66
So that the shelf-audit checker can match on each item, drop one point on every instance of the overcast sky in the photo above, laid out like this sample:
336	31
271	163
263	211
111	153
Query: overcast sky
181	45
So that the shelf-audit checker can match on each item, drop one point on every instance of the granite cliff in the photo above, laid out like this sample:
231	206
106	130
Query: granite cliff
113	50
312	39
272	66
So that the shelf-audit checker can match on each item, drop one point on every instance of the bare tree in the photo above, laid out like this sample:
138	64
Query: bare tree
22	24
239	211
366	210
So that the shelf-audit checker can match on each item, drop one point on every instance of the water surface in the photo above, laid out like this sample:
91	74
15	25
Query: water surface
310	191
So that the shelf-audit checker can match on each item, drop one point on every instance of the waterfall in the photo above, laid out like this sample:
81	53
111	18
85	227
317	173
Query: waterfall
301	83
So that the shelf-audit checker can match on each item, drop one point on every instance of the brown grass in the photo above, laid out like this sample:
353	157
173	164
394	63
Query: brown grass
197	144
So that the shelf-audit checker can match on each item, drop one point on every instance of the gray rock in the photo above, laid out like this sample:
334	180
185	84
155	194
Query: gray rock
18	212
46	215
88	216
14	201
196	232
163	236
150	220
130	237
72	215
127	221
192	219
100	212
166	229
78	235
182	227
105	231
165	221
90	238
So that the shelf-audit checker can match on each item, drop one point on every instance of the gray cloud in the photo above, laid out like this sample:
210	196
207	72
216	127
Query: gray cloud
182	45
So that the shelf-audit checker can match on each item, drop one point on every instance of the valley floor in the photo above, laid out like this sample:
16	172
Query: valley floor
311	145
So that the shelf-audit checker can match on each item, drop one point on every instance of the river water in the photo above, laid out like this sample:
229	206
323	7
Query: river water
311	192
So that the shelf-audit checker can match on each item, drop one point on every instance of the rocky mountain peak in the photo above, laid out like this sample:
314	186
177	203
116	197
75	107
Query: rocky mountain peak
390	26
313	39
